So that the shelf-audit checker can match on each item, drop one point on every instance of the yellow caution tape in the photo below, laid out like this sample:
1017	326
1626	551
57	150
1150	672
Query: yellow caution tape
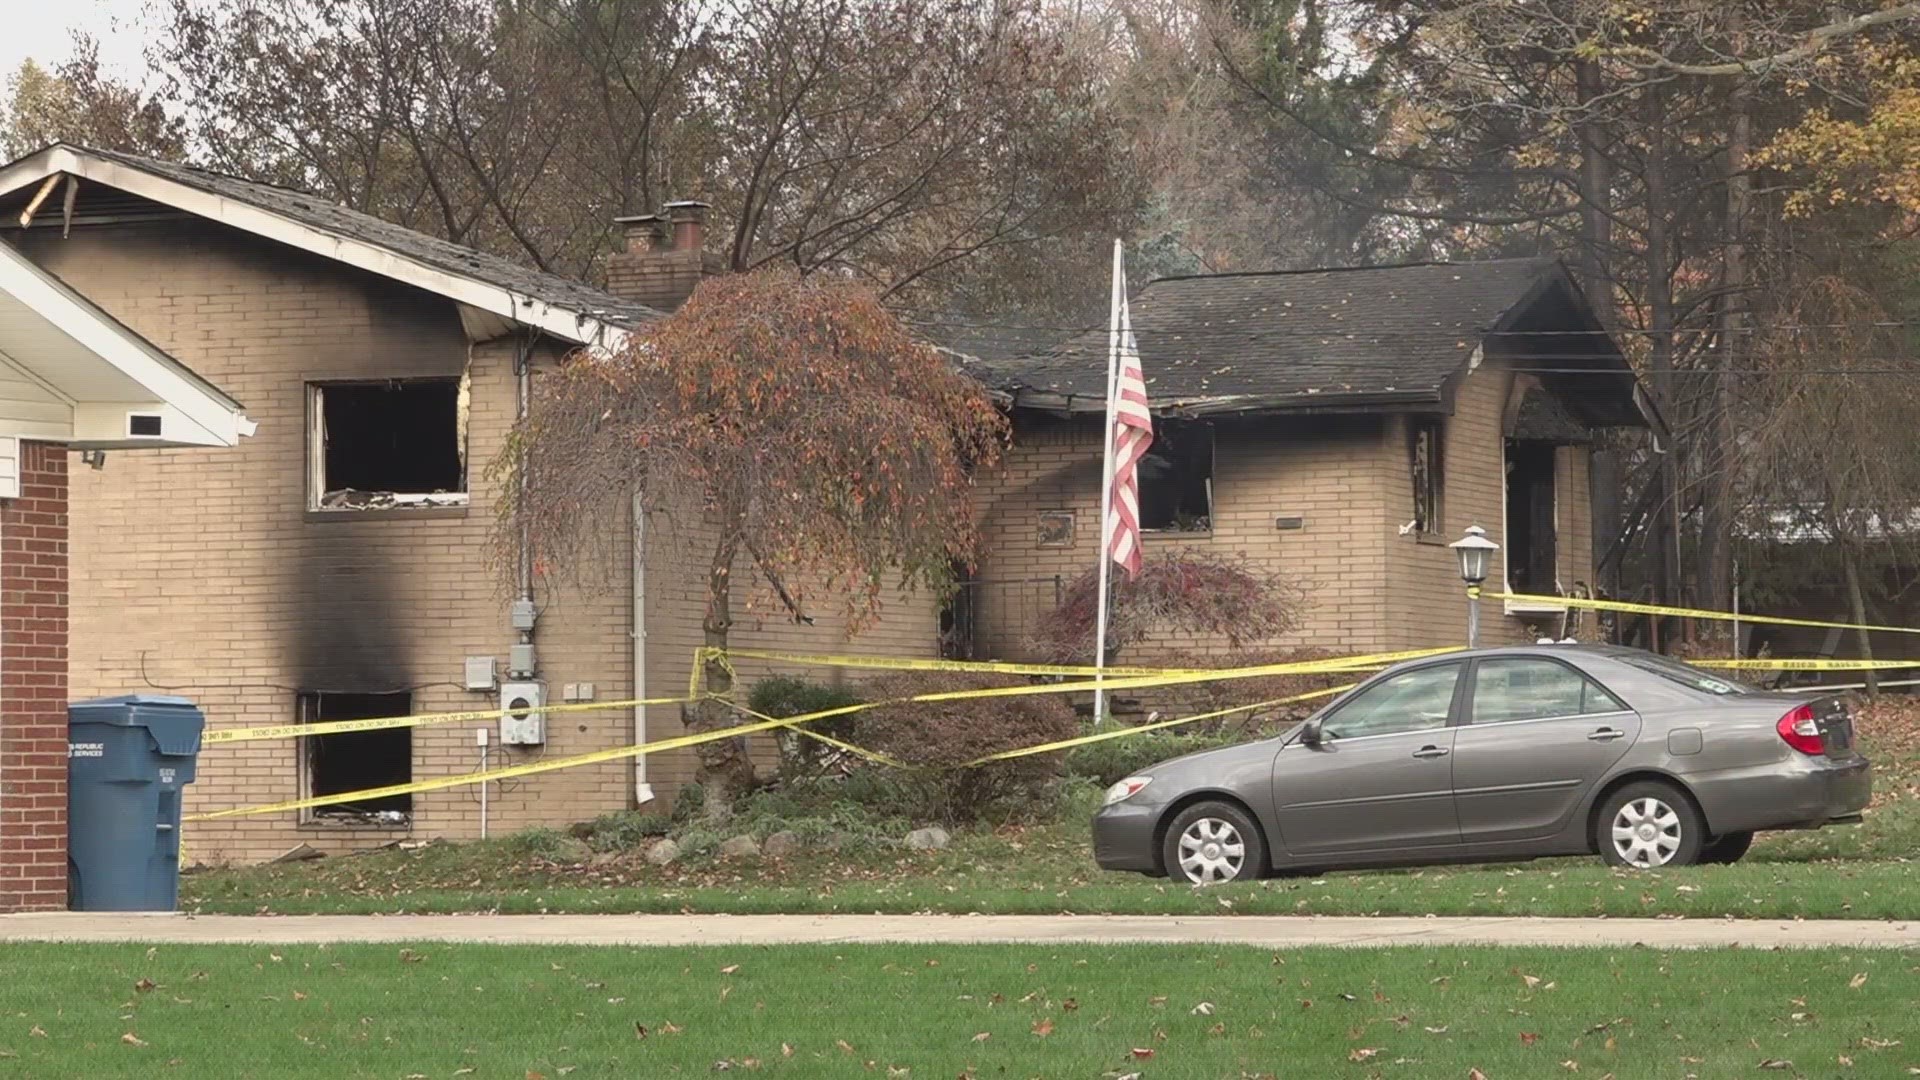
336	727
1121	733
901	663
1808	664
1691	613
793	724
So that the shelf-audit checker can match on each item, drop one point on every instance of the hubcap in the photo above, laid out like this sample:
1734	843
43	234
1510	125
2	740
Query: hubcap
1211	851
1646	833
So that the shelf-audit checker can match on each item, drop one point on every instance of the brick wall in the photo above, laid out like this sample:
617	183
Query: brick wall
33	684
1330	471
228	590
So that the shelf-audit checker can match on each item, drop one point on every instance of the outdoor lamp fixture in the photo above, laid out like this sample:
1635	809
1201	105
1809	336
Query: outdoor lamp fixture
1474	551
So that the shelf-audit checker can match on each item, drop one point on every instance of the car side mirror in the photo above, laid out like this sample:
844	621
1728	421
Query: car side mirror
1310	735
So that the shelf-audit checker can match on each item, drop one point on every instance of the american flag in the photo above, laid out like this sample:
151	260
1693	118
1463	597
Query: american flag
1132	435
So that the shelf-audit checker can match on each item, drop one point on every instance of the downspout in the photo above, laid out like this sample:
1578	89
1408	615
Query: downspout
642	790
523	370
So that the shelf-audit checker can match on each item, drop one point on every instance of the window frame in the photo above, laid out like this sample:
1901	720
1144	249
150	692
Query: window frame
1433	426
1462	672
406	502
1167	427
307	710
1470	693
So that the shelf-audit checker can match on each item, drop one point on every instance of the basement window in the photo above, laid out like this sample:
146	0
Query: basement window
382	445
1176	478
356	760
1423	454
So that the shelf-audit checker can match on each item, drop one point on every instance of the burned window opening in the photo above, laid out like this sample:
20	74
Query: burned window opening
1176	478
1423	450
1531	499
357	760
388	444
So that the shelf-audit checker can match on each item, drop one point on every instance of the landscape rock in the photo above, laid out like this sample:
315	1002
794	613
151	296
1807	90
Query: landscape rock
740	847
663	852
930	839
570	850
781	845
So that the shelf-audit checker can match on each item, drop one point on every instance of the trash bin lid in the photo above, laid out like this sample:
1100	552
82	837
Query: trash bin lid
176	733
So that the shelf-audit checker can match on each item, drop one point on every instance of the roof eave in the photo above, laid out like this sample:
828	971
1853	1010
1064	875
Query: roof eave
580	327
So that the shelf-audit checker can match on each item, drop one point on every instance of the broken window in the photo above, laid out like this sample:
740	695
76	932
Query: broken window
357	760
1530	546
1176	478
388	444
1423	448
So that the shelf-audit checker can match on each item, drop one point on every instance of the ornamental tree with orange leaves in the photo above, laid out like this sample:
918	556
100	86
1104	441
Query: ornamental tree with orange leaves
791	427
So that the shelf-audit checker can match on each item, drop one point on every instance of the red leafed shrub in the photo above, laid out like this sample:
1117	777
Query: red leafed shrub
1194	698
945	735
1178	591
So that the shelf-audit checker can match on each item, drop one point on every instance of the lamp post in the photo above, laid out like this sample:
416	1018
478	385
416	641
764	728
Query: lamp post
1475	551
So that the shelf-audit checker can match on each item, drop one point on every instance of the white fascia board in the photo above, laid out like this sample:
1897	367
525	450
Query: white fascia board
160	375
567	325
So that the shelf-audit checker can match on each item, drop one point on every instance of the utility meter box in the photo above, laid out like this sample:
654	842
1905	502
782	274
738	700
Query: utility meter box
519	724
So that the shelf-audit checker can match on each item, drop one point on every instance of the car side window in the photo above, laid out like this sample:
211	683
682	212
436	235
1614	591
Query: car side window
1517	688
1415	700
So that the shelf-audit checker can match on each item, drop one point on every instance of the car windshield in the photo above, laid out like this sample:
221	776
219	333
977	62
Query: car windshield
1688	676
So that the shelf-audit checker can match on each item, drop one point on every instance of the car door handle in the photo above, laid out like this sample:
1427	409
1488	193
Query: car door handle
1431	752
1606	734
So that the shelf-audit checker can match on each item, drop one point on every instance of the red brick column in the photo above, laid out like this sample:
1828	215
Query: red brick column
33	684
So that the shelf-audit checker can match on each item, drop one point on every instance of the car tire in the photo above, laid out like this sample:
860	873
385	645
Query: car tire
1212	843
1649	825
1726	850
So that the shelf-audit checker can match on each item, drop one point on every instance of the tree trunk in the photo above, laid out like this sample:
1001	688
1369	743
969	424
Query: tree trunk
1719	458
1666	531
1857	602
725	770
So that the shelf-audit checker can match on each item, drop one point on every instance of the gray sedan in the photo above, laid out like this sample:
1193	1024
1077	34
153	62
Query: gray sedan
1500	754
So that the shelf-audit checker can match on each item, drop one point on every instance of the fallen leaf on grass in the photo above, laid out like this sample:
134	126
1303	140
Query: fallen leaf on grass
1857	981
786	1050
533	1075
1441	1030
1205	1008
1362	1053
845	1046
133	1040
1043	1027
982	1036
1878	1044
38	1032
1531	980
299	995
1476	1074
1570	1065
639	1030
1846	1062
407	956
1528	1038
1142	1052
730	969
1774	1063
669	1028
144	985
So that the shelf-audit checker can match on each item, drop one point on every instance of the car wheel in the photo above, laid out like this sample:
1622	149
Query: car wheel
1727	849
1649	825
1212	843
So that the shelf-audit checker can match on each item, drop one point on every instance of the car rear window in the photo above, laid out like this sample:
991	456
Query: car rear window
1687	675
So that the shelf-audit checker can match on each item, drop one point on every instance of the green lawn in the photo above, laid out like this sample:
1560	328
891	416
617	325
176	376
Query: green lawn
1865	871
440	1011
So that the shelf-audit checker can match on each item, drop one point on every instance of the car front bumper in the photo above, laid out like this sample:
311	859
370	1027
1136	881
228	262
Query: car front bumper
1123	837
1817	792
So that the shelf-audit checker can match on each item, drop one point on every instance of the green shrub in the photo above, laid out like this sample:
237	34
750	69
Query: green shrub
540	841
939	738
625	829
1115	759
815	812
781	696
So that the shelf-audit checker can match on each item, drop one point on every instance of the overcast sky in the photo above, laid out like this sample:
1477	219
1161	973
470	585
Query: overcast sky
41	29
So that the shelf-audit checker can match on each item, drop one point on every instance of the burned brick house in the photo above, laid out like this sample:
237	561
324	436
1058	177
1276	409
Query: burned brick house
341	563
1341	426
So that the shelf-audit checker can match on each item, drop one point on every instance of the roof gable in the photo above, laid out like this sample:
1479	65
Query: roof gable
476	280
1368	337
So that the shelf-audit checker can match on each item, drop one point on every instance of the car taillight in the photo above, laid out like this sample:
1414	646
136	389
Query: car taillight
1801	731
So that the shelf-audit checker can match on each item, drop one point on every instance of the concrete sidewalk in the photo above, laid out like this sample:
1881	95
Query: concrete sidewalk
1270	932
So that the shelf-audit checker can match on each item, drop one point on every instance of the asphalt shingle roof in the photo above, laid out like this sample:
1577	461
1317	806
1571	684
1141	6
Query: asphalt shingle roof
1244	341
318	213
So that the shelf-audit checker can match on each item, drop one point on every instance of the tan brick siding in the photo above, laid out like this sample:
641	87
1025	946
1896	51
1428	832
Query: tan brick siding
204	574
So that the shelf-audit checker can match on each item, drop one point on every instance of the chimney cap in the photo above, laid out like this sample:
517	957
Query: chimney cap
681	204
636	219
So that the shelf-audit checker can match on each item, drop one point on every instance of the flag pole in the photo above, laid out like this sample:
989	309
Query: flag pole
1106	489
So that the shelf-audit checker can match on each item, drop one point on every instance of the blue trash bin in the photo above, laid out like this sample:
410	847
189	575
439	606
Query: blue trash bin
127	759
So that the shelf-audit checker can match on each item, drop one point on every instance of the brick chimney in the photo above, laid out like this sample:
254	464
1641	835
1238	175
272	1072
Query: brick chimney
662	259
